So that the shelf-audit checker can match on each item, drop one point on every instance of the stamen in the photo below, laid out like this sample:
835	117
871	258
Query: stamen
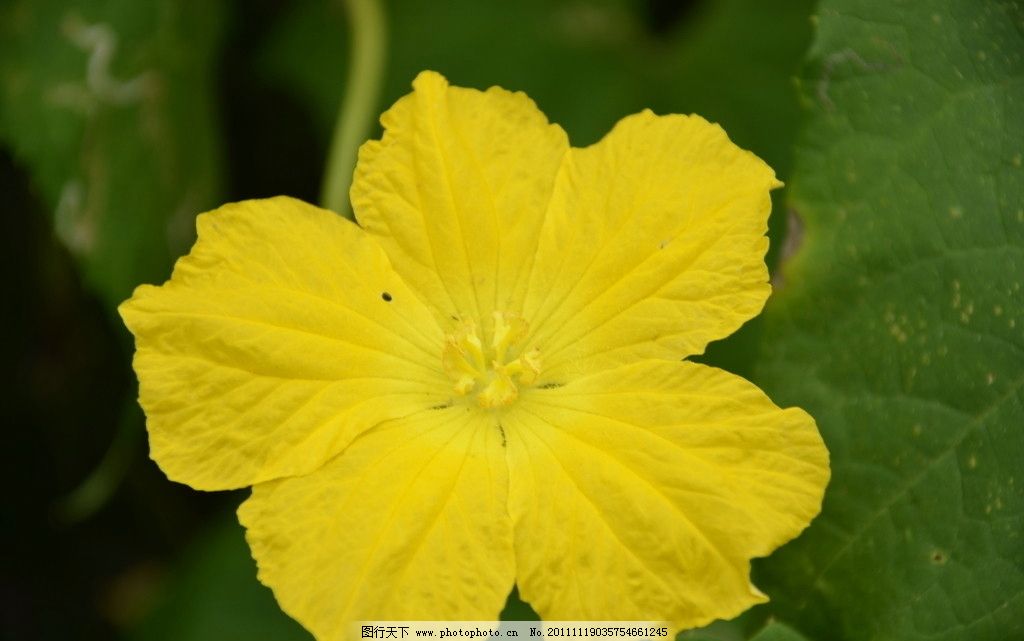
498	372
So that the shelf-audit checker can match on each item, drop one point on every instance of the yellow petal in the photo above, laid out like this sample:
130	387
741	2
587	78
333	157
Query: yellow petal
456	191
273	346
642	492
654	245
409	523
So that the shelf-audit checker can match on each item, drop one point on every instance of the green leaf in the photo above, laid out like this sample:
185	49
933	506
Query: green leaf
716	631
900	324
215	596
109	105
516	609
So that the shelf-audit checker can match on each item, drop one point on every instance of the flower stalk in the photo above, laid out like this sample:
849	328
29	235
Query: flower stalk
359	103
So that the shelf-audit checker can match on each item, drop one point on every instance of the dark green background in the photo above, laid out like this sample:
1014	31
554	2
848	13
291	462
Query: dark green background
897	319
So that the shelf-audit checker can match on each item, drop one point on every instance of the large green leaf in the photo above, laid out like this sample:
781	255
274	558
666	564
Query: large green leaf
900	324
109	105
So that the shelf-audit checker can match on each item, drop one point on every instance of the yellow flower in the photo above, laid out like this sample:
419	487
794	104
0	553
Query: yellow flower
481	385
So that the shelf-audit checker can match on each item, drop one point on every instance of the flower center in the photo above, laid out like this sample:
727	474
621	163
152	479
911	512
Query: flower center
494	371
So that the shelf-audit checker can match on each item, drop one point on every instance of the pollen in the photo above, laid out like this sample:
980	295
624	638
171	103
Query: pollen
493	371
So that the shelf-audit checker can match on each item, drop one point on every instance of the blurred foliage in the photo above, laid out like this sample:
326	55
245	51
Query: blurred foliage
897	322
216	596
775	631
109	105
586	64
901	324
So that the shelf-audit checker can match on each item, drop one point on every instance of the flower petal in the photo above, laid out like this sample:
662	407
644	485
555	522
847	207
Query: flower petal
651	487
409	523
654	245
272	346
456	192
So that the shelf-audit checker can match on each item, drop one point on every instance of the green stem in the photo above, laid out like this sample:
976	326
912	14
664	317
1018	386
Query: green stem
97	489
359	104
